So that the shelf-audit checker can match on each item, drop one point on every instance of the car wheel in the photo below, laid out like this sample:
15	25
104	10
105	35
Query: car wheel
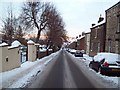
97	70
90	65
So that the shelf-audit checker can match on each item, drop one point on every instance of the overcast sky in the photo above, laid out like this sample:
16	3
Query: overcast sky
78	15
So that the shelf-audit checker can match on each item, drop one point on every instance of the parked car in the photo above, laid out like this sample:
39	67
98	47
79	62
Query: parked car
107	63
78	54
72	51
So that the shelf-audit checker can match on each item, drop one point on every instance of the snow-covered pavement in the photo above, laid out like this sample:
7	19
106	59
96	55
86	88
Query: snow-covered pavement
20	77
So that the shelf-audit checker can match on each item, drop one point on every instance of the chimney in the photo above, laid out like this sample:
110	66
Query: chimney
93	24
100	19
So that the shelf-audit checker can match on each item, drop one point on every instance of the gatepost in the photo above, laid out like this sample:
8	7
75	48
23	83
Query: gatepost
31	51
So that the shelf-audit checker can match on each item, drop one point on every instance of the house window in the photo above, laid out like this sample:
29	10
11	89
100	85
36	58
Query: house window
96	33
6	59
98	47
118	19
116	47
91	47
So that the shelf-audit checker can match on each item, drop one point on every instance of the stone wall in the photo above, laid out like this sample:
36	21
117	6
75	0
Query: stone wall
112	15
97	39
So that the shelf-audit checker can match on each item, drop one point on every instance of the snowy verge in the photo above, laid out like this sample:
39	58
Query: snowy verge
20	77
107	81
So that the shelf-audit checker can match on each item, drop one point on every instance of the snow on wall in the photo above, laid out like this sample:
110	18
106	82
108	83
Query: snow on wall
30	42
3	44
15	44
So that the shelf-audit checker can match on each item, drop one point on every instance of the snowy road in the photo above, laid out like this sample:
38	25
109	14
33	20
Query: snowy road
60	69
63	72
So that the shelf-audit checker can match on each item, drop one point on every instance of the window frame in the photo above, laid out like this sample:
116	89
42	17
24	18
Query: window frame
118	23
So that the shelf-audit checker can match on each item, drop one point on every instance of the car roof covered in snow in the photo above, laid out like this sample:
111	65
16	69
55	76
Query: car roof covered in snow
109	57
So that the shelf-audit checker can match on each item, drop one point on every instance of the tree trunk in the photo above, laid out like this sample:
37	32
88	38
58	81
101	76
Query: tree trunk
37	39
38	36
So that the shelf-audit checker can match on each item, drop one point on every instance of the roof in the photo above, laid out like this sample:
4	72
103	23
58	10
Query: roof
99	24
88	33
113	6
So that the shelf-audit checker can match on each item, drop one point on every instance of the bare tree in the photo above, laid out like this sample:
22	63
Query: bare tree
11	28
56	32
8	28
42	16
34	15
18	32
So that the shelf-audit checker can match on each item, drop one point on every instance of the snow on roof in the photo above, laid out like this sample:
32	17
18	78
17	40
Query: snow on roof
30	42
81	37
3	44
100	23
37	44
42	45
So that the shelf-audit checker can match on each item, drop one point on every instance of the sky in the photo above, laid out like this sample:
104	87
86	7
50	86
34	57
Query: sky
78	15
